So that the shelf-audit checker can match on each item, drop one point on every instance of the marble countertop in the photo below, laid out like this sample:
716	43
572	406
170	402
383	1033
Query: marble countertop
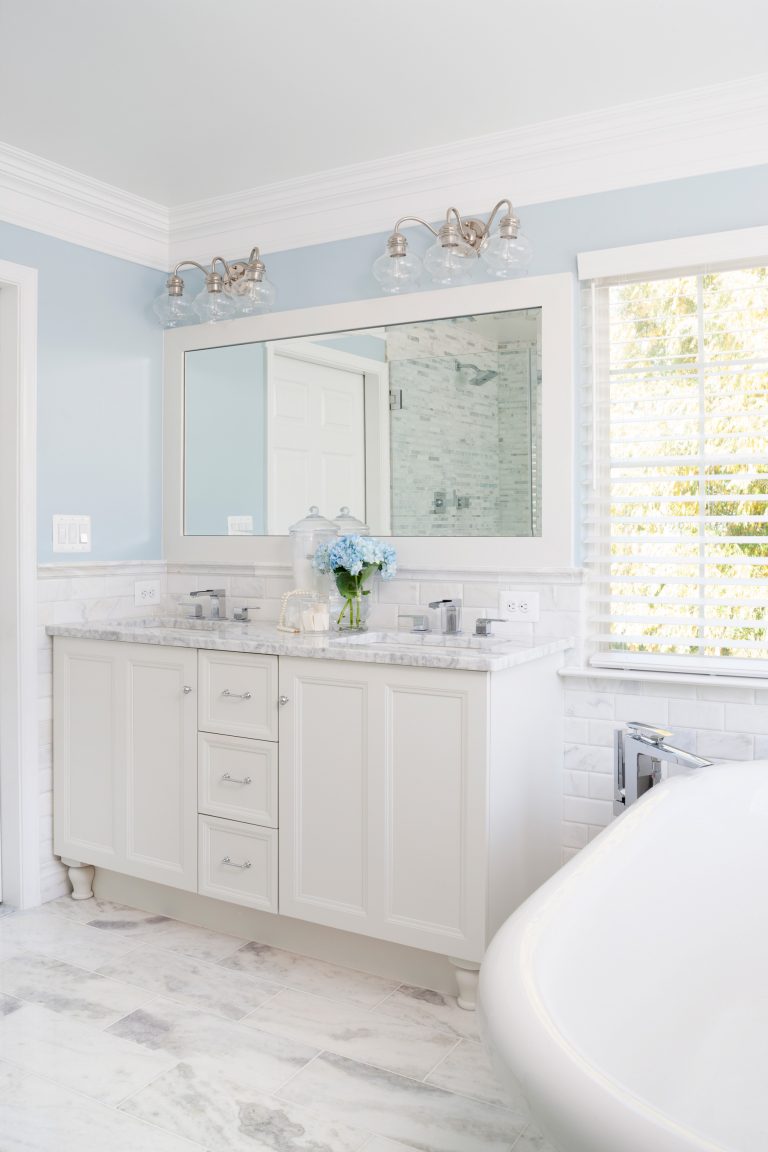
420	650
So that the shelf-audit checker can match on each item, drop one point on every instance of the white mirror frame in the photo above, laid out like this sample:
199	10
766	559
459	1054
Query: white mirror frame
553	549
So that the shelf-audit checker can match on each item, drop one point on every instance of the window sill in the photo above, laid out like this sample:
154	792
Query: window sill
701	677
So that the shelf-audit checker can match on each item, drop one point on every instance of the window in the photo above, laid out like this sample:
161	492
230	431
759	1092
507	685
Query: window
677	481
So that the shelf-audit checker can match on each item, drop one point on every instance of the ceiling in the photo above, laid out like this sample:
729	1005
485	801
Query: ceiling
182	100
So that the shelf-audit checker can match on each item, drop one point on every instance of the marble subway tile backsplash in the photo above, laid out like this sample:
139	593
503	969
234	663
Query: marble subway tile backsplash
723	723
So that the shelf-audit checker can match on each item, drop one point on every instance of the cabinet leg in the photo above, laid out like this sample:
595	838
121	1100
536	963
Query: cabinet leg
80	877
467	976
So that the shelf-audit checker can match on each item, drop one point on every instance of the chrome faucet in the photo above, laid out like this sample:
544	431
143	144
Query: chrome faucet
642	758
450	616
218	611
484	624
420	620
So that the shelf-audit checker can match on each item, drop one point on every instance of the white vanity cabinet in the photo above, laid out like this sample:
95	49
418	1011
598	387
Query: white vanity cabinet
125	735
417	805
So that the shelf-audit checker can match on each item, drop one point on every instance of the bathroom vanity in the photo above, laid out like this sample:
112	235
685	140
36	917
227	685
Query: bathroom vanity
402	787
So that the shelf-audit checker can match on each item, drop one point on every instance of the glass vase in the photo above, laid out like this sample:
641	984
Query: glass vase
350	613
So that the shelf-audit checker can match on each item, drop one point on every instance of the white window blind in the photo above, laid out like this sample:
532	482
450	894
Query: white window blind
676	471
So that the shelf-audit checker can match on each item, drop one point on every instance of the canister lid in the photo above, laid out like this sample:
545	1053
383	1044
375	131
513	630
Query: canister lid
313	522
349	525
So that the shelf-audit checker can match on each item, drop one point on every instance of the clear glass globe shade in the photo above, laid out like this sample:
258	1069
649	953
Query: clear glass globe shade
254	296
505	257
213	306
397	273
449	266
172	311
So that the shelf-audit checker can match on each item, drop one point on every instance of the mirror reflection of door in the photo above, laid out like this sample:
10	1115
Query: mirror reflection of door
316	437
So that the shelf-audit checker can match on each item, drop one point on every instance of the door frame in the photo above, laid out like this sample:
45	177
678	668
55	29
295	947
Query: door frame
375	375
19	755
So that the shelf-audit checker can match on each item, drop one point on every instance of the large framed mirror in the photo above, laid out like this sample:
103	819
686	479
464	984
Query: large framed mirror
431	418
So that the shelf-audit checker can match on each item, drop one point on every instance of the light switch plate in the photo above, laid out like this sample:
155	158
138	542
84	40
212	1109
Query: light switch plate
71	533
240	525
519	604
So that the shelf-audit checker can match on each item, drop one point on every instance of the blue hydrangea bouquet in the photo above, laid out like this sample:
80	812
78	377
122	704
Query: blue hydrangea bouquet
353	561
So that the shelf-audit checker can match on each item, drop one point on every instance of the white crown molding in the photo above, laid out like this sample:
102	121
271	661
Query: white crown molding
669	137
36	194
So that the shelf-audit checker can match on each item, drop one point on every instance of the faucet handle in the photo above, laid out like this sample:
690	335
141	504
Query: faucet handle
648	732
483	624
420	620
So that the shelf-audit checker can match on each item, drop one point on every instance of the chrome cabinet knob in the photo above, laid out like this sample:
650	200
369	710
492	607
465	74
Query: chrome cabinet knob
187	689
282	701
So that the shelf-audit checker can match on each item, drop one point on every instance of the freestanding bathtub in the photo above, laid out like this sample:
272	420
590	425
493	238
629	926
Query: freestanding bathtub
628	997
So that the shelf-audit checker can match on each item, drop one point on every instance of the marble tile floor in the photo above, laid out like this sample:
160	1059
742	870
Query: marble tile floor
124	1031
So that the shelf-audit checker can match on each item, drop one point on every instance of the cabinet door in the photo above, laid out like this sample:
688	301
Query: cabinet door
325	768
160	792
125	771
430	808
383	778
87	736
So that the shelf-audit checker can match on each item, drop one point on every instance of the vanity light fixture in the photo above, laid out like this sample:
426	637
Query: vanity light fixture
452	259
241	289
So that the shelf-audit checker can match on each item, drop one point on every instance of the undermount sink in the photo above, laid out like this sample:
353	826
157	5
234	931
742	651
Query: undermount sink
419	641
190	623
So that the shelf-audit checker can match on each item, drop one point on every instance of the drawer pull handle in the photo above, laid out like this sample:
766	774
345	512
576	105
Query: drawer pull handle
236	695
187	689
229	863
234	779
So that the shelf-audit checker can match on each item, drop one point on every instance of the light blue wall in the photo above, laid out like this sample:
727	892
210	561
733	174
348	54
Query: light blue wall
331	273
99	395
225	407
100	353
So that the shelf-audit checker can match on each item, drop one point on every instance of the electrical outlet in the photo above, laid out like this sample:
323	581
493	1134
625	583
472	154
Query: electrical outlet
146	592
517	604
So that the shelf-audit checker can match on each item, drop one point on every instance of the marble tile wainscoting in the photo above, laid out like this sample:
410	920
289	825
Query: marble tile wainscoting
100	591
125	1030
723	722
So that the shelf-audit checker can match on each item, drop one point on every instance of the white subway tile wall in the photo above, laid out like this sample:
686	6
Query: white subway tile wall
719	722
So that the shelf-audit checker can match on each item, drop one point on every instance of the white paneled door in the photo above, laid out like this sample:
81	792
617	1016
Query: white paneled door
316	434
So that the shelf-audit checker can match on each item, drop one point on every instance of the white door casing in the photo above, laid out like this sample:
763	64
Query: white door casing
19	757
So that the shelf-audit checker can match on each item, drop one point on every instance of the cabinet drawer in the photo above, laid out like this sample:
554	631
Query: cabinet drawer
238	863
238	694
237	778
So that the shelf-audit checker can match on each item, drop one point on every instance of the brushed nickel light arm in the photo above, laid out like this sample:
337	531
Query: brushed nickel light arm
503	251
239	287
